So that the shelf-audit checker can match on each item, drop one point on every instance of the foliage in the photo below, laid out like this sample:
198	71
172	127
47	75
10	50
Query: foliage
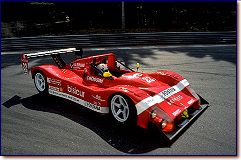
54	18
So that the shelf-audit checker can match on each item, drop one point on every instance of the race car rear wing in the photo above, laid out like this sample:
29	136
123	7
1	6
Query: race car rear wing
54	53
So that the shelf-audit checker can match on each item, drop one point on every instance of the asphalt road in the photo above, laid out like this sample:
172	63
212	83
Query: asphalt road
34	125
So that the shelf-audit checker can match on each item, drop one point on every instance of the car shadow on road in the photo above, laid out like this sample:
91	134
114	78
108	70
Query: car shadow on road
127	140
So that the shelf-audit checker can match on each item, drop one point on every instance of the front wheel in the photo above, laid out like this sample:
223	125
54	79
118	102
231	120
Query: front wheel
40	82
123	110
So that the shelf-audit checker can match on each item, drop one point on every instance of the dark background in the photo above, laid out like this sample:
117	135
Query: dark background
60	18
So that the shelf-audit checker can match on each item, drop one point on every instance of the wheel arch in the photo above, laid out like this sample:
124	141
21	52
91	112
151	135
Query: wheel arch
42	91
131	121
120	93
34	71
135	95
168	77
45	69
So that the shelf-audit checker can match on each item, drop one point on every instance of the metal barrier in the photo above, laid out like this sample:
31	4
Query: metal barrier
122	39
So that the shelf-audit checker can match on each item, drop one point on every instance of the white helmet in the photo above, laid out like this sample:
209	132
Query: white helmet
103	67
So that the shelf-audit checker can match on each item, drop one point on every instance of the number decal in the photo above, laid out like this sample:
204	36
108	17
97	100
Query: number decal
24	60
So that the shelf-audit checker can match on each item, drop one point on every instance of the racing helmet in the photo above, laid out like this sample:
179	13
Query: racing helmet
103	67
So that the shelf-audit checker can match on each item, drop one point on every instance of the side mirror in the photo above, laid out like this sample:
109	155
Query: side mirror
107	74
137	66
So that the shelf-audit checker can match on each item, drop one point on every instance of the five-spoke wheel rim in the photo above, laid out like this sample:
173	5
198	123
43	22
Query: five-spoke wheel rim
119	108
39	82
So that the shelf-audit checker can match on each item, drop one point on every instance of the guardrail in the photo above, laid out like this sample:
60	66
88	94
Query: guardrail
122	39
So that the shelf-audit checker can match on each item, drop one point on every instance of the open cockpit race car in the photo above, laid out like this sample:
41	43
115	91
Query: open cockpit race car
105	85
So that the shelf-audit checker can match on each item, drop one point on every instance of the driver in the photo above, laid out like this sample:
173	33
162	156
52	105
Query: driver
103	67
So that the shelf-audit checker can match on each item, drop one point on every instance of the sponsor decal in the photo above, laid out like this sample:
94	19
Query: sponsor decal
97	97
168	92
162	73
54	81
61	89
80	101
76	91
191	101
162	96
54	88
148	79
137	75
175	99
77	65
149	101
92	106
95	79
176	112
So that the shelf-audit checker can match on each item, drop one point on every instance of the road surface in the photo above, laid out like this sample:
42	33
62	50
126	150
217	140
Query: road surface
31	125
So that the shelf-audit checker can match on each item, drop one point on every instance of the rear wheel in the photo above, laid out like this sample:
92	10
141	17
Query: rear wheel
40	82
122	110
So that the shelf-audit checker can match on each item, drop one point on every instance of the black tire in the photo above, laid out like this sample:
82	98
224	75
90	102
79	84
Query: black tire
40	82
123	111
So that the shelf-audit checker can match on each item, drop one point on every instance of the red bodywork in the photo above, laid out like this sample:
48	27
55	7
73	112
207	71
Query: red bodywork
160	96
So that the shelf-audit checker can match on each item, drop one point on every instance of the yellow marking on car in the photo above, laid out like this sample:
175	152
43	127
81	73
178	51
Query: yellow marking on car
185	114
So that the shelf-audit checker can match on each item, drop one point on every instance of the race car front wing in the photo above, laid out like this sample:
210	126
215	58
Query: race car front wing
186	122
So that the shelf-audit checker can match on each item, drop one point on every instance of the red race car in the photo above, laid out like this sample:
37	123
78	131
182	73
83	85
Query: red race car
105	85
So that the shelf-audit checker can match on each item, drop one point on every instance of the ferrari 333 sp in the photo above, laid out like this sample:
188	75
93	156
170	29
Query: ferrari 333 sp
105	85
